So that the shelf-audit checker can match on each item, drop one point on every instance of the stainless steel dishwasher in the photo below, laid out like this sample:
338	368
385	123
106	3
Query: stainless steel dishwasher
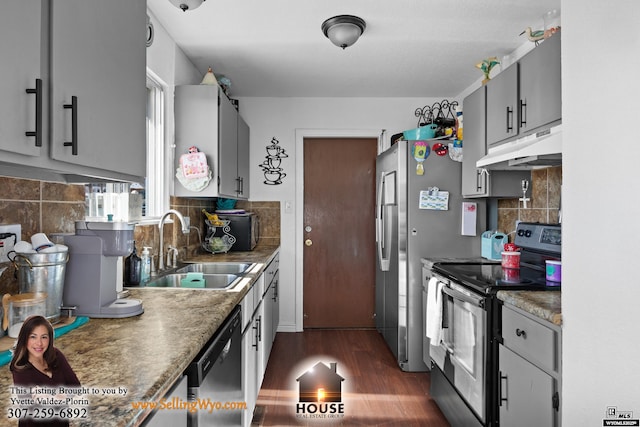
214	378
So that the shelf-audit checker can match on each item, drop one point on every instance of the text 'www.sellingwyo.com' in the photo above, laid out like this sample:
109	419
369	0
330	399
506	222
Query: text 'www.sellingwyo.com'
175	403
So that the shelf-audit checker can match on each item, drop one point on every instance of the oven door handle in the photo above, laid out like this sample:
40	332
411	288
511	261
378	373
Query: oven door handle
477	301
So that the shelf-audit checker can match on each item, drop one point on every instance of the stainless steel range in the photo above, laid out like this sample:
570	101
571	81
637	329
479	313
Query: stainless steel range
462	322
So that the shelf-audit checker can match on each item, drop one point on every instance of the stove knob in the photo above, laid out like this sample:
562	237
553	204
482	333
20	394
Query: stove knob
527	233
520	233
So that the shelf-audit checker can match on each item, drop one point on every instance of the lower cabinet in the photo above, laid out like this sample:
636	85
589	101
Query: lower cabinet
525	392
252	363
271	307
530	374
260	321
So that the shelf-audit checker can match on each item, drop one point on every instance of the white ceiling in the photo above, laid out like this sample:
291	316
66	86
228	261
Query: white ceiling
410	48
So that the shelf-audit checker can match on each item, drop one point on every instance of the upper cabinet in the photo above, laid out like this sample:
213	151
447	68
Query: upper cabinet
479	182
22	70
474	180
243	159
98	84
207	119
72	97
541	86
526	96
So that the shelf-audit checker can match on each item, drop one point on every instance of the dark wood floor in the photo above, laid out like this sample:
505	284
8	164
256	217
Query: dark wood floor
375	391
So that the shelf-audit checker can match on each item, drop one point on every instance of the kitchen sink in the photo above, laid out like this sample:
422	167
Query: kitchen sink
185	280
216	268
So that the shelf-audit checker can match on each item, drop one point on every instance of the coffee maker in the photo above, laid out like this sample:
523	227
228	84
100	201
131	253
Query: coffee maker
94	272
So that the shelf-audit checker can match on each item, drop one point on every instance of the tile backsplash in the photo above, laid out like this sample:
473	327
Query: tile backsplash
544	206
50	208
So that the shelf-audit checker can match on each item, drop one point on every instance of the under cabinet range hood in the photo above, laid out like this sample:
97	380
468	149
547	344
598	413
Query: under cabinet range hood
540	149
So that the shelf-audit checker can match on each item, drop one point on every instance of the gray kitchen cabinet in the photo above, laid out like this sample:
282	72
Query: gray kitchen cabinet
541	86
271	306
479	182
260	318
530	370
243	159
249	354
228	147
252	361
526	96
474	180
502	102
275	298
206	118
92	103
525	392
21	65
98	88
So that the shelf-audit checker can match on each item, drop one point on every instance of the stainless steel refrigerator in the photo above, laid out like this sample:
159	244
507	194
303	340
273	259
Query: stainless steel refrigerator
406	232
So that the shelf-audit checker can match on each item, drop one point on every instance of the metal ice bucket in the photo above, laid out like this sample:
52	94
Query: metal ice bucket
43	272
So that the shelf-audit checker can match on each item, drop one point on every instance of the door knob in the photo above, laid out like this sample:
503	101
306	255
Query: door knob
308	242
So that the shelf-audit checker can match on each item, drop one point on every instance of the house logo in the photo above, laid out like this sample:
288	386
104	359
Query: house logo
320	392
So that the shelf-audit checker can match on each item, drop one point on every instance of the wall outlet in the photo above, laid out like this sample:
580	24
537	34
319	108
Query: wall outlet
9	236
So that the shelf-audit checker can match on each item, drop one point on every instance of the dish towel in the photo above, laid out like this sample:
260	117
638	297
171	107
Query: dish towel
433	325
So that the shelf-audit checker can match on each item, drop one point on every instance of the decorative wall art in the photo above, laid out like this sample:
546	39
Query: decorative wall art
273	173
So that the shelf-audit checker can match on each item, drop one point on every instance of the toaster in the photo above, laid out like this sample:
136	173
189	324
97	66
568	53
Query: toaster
493	244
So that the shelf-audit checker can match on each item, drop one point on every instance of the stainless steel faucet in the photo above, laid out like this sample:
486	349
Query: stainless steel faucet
172	257
185	230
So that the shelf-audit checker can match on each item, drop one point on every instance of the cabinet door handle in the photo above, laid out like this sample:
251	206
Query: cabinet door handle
509	119
74	125
521	333
260	328
482	175
502	399
38	132
523	113
255	328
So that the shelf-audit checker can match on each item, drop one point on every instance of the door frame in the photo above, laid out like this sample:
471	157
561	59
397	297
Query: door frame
301	134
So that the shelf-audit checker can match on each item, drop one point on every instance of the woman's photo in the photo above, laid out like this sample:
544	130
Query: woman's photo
36	362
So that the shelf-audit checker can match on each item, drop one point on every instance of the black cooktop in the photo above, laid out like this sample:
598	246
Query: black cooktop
489	278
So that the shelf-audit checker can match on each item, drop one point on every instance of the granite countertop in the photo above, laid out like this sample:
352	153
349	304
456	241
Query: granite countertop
145	354
543	304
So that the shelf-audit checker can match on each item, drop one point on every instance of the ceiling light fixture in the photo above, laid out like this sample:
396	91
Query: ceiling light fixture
343	30
186	4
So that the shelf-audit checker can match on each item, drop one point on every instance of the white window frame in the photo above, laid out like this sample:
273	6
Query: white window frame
157	196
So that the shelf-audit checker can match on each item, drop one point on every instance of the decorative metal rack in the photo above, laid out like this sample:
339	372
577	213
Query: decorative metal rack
218	239
440	113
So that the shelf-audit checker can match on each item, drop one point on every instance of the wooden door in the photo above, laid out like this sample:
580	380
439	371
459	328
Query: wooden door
339	232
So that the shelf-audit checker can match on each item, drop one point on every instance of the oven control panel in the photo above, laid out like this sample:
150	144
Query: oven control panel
539	237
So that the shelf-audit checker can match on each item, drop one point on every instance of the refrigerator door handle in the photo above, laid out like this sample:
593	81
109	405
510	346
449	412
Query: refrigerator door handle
380	225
